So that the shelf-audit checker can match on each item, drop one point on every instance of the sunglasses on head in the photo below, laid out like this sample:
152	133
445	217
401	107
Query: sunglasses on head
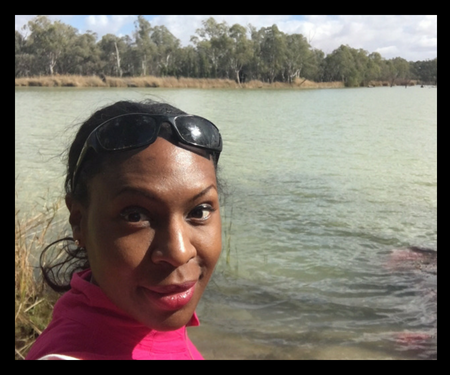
134	130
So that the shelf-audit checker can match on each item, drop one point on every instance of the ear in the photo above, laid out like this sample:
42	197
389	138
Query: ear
76	214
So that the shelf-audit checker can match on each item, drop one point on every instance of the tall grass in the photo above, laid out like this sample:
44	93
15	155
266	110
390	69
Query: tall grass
183	82
167	82
33	302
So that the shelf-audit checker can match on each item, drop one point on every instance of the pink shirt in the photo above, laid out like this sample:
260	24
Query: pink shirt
87	325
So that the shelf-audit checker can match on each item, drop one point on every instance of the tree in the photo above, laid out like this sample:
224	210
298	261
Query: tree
360	66
297	55
146	48
82	56
129	57
23	59
373	67
166	48
346	64
425	71
397	68
315	70
212	42
253	69
218	51
50	40
187	66
273	50
111	48
240	49
205	62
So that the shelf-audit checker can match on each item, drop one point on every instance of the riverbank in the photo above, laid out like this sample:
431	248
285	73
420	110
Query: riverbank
165	82
33	302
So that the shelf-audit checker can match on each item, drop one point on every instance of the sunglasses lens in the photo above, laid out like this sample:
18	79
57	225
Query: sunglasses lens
198	131
125	132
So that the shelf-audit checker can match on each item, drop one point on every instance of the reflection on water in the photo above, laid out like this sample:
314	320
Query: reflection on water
325	187
354	319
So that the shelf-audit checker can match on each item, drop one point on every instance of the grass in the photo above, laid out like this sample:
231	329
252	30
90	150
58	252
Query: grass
33	302
182	82
167	82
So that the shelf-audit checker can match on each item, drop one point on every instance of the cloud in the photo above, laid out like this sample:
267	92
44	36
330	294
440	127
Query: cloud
392	36
184	27
411	37
21	21
107	24
389	50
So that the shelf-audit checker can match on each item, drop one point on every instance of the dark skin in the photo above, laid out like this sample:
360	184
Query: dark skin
152	223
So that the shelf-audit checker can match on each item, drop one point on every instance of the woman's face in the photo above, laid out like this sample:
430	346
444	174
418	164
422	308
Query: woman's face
152	231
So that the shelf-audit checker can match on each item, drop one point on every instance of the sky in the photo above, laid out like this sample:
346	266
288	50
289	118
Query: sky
412	37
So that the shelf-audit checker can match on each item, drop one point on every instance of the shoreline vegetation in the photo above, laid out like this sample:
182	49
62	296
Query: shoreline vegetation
235	56
33	301
182	82
163	82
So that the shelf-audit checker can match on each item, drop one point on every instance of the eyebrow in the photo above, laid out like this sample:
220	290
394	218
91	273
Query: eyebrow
136	190
203	192
150	196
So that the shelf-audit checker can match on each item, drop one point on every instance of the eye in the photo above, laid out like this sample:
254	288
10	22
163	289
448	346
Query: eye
135	215
201	212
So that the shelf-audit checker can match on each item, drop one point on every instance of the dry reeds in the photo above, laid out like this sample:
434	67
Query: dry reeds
33	304
166	82
61	81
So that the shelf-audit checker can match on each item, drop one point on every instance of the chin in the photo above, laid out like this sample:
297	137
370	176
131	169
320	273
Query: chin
171	322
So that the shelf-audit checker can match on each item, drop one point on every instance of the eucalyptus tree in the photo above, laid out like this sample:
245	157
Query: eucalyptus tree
204	61
167	46
342	65
112	48
83	56
24	61
360	61
425	71
146	48
240	51
397	69
48	41
315	70
373	67
297	55
218	51
212	42
273	51
187	62
253	69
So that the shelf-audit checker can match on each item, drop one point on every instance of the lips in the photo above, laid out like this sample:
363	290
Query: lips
171	297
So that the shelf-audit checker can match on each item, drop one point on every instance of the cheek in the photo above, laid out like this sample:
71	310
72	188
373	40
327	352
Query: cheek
211	247
110	248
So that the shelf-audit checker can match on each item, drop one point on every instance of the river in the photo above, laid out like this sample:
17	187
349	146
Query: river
324	189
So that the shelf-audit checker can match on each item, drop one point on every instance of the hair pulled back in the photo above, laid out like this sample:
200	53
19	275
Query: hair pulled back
62	258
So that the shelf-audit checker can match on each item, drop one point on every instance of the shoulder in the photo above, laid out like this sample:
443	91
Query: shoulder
53	357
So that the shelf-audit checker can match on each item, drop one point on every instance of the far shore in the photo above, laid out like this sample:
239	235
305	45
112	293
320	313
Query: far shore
166	82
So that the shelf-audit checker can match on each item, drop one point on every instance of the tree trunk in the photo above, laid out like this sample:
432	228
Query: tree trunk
52	63
118	60
144	66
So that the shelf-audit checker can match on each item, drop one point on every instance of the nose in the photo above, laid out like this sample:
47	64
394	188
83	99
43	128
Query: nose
172	243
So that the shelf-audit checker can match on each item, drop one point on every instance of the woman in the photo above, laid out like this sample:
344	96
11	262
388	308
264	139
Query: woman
142	194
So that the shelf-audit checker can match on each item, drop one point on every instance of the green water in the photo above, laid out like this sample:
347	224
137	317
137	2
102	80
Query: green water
321	186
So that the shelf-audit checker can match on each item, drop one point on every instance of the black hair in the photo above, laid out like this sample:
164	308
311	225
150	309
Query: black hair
92	165
68	258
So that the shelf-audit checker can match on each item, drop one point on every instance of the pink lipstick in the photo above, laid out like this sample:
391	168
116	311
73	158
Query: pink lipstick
171	297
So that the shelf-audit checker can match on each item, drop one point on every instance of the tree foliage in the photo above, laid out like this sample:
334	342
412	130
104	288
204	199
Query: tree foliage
217	51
